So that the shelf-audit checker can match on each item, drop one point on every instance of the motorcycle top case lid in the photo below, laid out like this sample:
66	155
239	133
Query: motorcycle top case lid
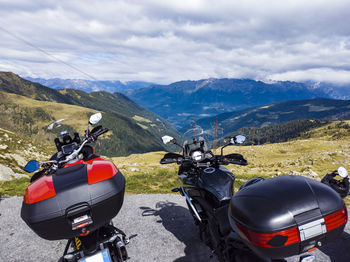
287	215
83	196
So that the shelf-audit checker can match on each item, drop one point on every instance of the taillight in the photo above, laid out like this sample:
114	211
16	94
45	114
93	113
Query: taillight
270	240
39	190
295	234
336	219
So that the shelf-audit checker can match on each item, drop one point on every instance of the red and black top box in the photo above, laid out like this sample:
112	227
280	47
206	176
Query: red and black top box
53	203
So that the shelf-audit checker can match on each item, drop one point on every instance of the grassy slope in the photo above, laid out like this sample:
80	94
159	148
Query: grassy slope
141	128
320	150
30	117
11	83
120	104
15	151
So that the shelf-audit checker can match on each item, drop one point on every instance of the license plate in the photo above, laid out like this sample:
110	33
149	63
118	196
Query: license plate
79	219
102	256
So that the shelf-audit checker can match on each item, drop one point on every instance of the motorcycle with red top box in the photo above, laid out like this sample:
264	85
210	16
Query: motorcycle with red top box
75	196
266	219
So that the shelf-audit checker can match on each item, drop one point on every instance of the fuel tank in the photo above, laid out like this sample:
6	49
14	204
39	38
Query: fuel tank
287	215
219	182
74	200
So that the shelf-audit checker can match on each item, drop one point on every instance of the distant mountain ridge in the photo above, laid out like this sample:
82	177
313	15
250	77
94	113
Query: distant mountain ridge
89	85
277	113
335	91
179	102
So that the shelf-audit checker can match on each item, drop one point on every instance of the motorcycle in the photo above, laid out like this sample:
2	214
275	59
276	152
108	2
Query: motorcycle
340	185
75	196
266	220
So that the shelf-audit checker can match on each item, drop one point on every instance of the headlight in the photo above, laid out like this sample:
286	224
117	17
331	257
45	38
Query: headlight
197	155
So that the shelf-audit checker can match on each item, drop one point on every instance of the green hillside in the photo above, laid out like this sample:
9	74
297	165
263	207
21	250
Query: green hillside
134	129
278	113
120	104
30	117
276	133
12	83
15	151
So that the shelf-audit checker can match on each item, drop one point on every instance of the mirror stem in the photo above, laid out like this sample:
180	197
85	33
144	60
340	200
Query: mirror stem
222	149
87	131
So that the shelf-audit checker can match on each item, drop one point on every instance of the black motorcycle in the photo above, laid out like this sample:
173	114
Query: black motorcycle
266	219
339	181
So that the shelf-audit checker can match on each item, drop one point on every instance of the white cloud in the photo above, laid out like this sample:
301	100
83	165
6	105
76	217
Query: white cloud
166	41
315	74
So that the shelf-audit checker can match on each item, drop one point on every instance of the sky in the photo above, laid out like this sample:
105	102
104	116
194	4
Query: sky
164	41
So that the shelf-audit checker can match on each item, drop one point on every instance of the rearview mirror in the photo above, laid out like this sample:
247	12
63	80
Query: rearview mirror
239	139
168	140
343	172
95	118
32	166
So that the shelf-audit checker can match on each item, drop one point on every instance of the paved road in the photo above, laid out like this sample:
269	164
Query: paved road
160	226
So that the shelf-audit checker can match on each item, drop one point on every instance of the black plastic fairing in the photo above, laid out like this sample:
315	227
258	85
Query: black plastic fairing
218	181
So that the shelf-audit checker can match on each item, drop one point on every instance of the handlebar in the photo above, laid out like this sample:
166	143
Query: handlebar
100	132
340	186
92	137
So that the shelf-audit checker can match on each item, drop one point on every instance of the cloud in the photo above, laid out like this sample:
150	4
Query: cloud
315	74
166	41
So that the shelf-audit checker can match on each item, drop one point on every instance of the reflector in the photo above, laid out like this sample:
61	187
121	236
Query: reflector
307	258
336	219
276	239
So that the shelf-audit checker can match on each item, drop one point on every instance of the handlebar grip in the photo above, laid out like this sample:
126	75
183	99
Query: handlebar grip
100	132
168	161
103	131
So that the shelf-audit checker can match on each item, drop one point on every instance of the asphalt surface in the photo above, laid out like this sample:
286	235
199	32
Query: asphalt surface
160	228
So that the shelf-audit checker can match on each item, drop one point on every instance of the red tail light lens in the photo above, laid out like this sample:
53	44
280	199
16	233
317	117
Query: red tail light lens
39	190
270	240
292	235
336	219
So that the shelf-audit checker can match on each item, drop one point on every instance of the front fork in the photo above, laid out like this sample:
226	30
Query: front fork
189	203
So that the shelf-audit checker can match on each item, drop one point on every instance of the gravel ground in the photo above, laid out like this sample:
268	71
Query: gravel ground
160	227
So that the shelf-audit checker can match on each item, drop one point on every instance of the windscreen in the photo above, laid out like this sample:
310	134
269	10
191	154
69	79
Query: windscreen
61	127
195	138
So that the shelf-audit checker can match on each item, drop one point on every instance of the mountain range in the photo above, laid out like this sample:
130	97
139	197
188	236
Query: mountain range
181	101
